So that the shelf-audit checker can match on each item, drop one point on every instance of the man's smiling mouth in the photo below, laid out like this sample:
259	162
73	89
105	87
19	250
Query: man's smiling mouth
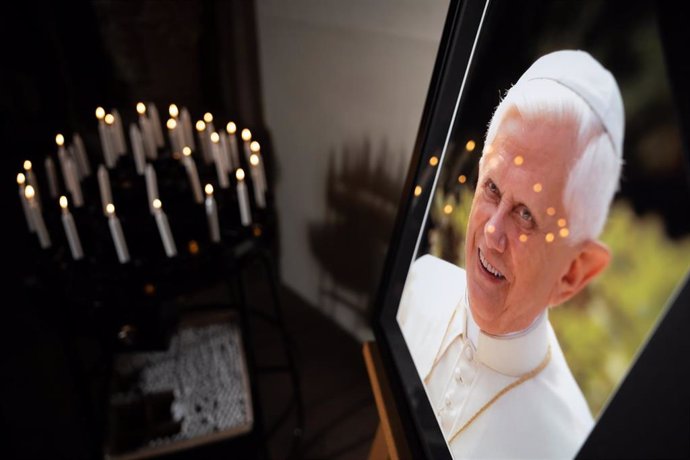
489	268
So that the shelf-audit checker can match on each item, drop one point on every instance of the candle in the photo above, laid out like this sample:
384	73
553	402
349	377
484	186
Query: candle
246	137
21	180
192	173
256	181
71	231
187	128
147	132
204	141
164	229
72	153
208	119
221	170
104	136
62	155
225	149
172	135
31	180
37	217
212	214
82	157
51	174
173	111
151	185
138	149
156	129
104	188
117	234
119	133
112	141
231	128
243	198
256	149
72	182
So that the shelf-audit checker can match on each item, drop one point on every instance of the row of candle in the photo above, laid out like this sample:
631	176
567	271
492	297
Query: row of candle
74	166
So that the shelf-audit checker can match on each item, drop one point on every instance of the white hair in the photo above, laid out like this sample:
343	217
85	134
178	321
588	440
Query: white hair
594	176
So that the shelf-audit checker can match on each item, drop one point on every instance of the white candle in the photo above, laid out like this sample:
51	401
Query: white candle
104	136
137	148
147	132
175	146
202	137
193	174
164	229
187	128
104	188
51	174
256	181
231	128
71	231
247	138
208	119
82	157
212	214
243	198
151	185
37	217
117	235
21	180
73	184
156	128
225	149
256	149
31	180
119	133
221	170
62	156
72	153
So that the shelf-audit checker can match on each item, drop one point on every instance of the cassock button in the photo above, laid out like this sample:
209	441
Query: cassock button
457	376
448	401
469	353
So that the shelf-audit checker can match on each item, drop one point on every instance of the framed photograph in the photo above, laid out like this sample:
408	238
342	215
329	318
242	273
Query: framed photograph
544	230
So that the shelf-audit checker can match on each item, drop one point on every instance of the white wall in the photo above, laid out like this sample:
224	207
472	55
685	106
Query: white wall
336	74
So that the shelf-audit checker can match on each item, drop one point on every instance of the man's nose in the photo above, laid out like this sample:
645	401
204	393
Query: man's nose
494	231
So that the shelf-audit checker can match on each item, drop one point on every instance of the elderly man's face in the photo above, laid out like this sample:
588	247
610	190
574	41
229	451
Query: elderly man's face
518	249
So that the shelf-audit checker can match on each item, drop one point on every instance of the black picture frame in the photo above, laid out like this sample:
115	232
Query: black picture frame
632	424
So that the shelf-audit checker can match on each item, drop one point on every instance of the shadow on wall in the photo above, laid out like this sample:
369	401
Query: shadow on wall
362	194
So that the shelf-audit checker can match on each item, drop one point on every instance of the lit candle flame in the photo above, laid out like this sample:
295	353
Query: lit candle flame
462	178
254	159
157	203
109	119
239	174
100	113
141	108
215	138
254	146
63	202
200	125
433	161
208	118
208	189
27	165
21	179
231	127
246	135
447	209
173	110
60	140
171	123
470	145
418	190
186	151
29	192
110	208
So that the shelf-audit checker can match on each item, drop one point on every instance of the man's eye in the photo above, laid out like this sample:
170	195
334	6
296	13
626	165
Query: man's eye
492	188
526	215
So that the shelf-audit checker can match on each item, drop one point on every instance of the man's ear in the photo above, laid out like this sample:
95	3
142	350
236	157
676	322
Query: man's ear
593	257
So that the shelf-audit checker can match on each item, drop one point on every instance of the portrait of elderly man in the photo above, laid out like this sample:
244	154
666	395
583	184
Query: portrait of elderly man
480	337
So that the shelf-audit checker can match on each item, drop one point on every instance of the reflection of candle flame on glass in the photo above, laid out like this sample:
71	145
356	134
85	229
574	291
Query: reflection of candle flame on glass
141	108
173	110
193	247
29	192
537	187
208	118
27	165
239	174
109	119
100	113
200	125
564	232
171	123
208	189
551	211
21	178
110	208
157	203
60	139
254	159
215	138
462	179
518	160
523	238
63	202
149	289
561	222
186	151
254	146
549	237
418	190
470	145
231	127
491	228
246	135
433	161
448	209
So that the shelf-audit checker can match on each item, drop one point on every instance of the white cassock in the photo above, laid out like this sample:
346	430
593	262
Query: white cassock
463	369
